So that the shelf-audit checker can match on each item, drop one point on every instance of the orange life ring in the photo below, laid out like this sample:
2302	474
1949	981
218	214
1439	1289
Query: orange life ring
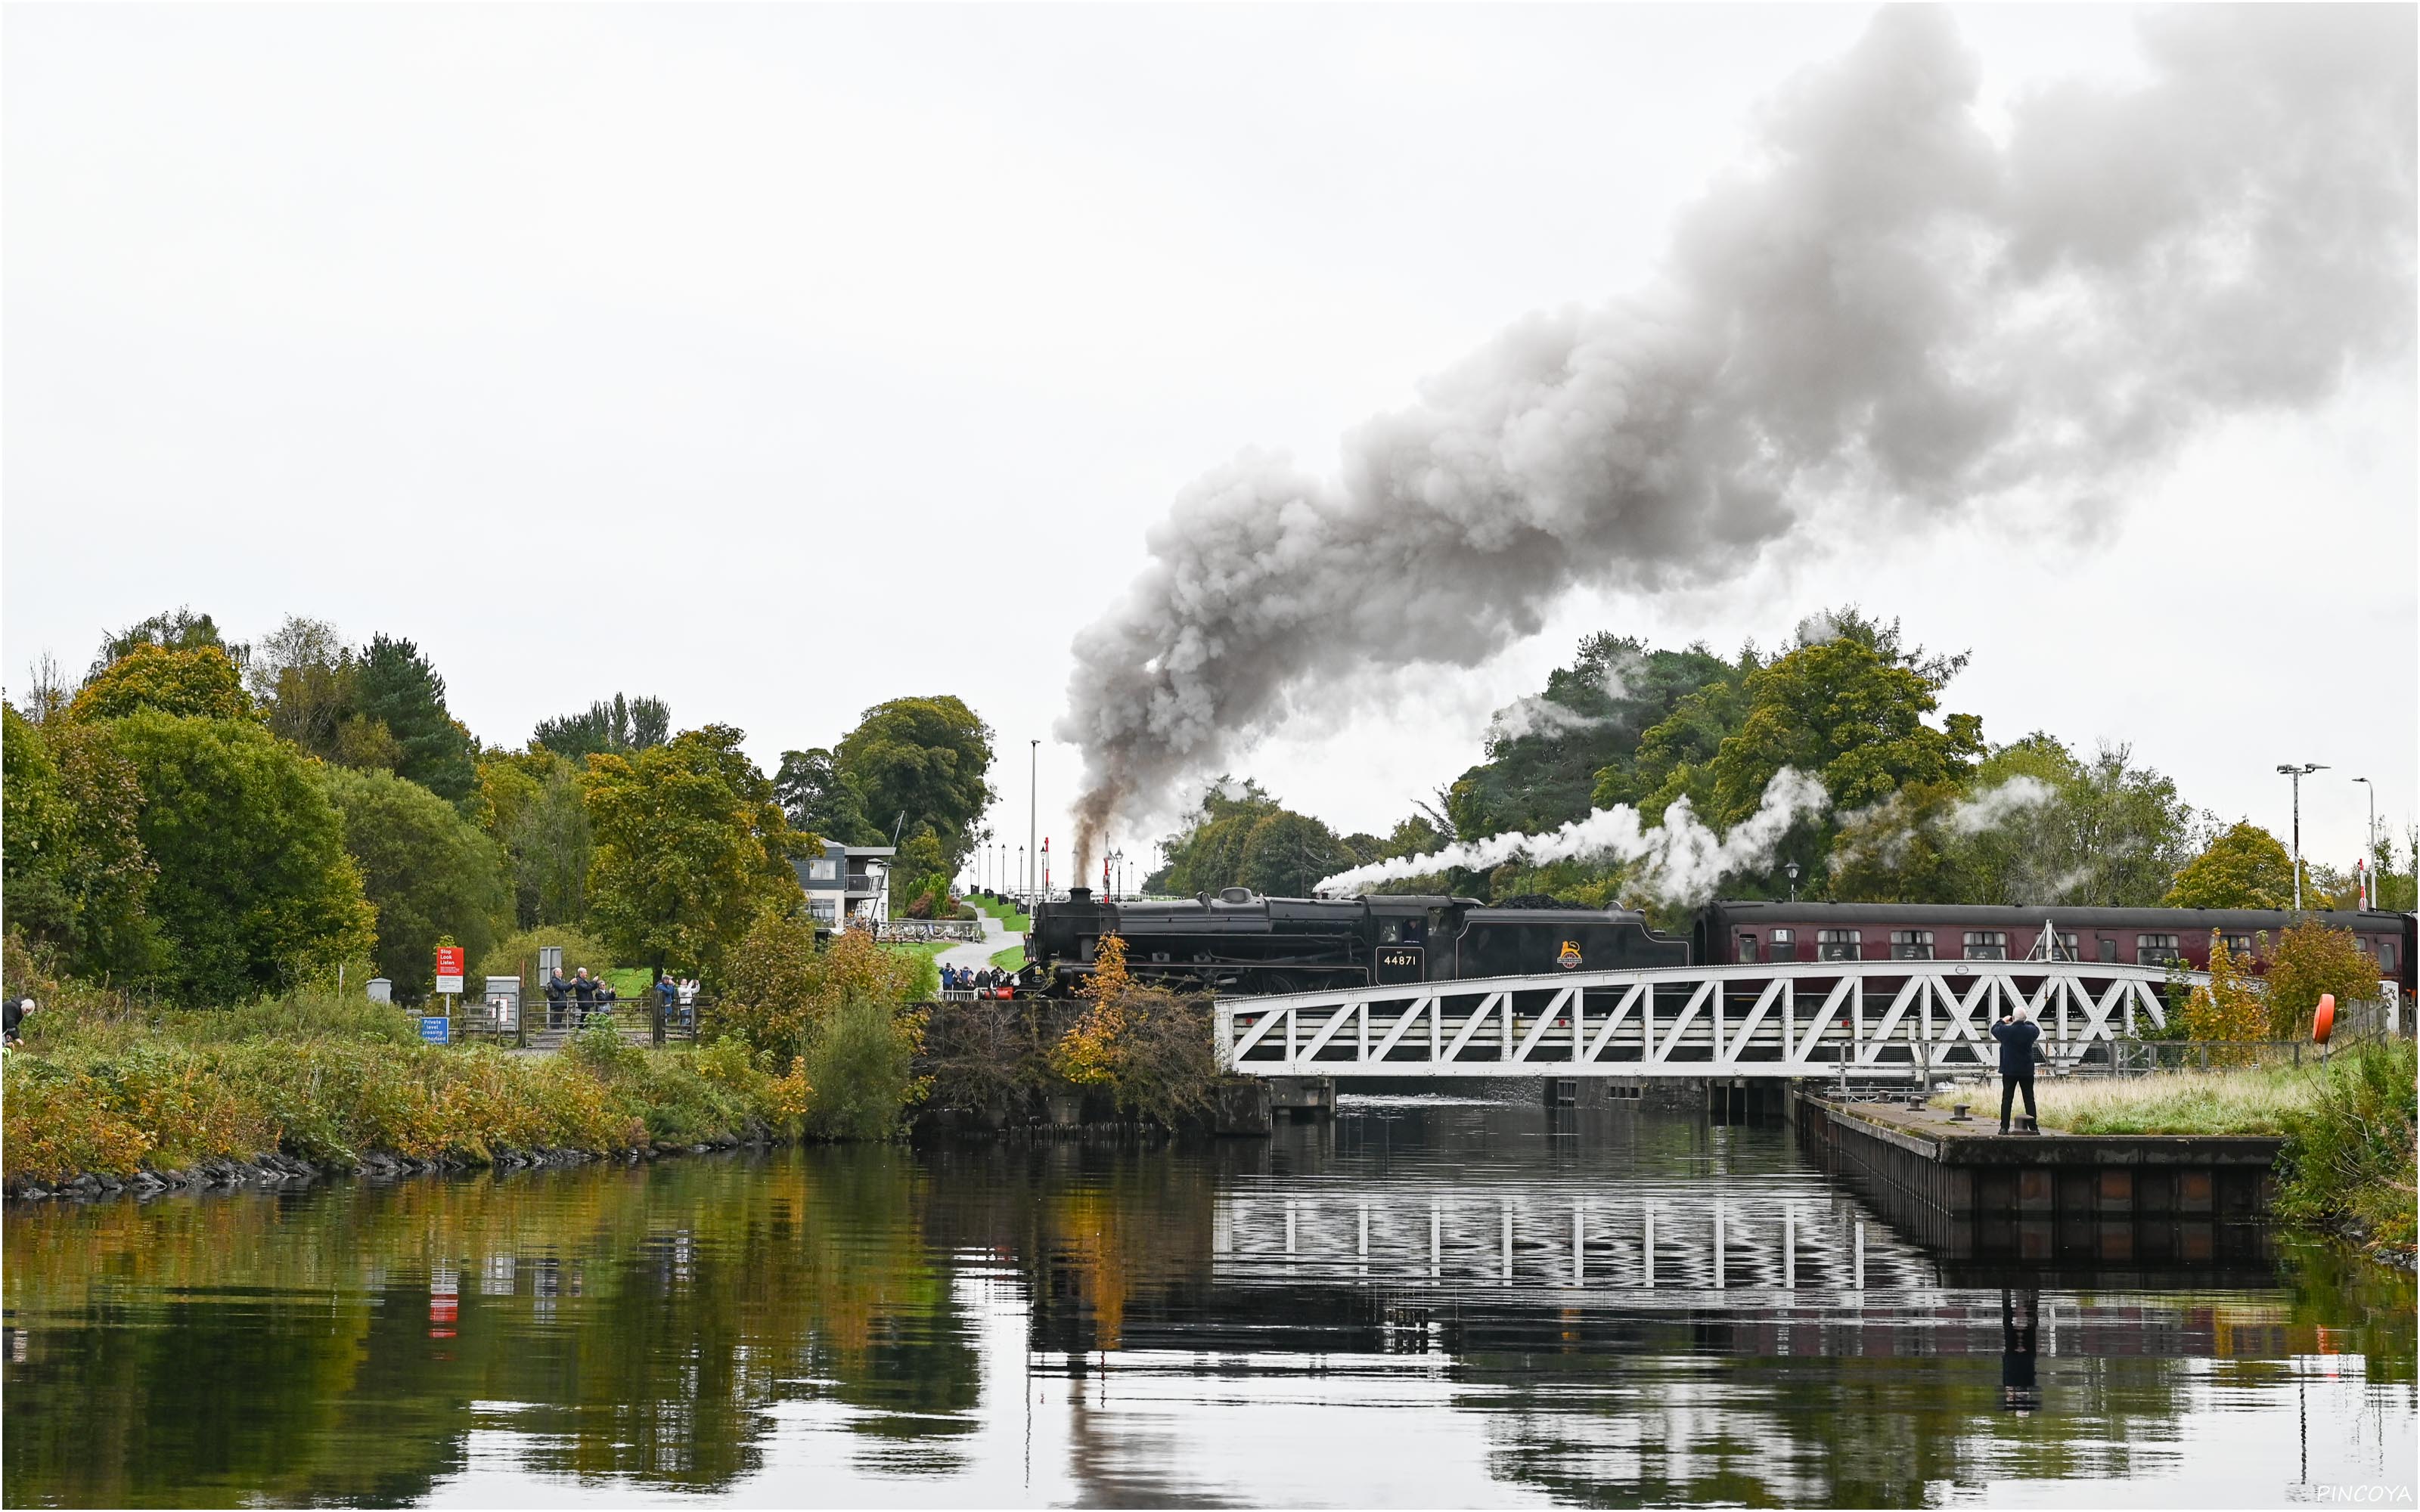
2323	1023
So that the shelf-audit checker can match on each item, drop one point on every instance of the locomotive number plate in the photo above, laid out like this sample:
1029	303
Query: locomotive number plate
1401	959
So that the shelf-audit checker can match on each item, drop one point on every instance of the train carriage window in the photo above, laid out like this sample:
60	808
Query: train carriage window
2240	943
1748	949
1390	931
2065	948
1783	943
1836	945
2386	956
1911	945
1987	945
2154	950
2109	949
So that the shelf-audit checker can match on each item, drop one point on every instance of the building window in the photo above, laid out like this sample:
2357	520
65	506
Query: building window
2154	950
823	869
1836	945
822	910
1911	945
1987	945
1748	949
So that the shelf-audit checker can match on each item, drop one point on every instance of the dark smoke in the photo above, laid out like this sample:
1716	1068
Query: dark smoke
1891	312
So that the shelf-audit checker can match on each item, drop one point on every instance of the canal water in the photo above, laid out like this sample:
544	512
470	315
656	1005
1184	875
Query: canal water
1430	1301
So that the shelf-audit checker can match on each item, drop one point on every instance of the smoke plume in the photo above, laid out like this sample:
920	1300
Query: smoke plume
1682	860
1894	313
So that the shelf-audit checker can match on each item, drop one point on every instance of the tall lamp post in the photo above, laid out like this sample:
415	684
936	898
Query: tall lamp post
1033	808
2297	773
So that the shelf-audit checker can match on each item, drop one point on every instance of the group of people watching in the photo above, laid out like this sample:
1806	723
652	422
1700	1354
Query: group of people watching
574	997
990	981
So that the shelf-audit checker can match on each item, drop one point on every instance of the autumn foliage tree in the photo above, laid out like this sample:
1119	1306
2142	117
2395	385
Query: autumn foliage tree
200	683
2312	960
1151	1048
2230	1008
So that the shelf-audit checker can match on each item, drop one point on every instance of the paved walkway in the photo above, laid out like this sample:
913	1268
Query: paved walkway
996	939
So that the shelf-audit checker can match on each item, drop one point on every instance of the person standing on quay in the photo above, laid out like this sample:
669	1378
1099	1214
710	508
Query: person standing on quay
2016	1036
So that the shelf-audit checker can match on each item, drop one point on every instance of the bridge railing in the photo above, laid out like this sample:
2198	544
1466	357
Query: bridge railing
1877	1019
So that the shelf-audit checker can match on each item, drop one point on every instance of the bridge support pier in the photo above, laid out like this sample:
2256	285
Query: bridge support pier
1303	1097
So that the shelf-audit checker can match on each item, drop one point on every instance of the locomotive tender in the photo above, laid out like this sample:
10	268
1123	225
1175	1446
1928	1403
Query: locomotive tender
1239	941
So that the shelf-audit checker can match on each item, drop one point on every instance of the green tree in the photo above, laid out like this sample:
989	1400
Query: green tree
1844	712
920	881
176	629
921	761
818	797
76	875
199	683
621	725
689	848
429	873
534	805
1547	753
1208	854
2033	825
2243	868
395	686
254	892
1286	854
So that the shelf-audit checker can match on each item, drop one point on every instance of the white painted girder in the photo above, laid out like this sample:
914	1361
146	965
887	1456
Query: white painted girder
1937	1019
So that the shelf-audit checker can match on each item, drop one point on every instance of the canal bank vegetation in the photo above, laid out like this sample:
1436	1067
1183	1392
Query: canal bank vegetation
1122	1050
2347	1121
819	1045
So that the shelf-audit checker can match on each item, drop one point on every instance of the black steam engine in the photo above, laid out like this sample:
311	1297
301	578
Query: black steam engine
1239	941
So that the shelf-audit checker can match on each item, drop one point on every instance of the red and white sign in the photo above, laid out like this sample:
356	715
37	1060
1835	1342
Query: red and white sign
449	968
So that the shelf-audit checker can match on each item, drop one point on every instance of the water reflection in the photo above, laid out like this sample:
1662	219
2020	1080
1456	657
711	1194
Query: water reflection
1424	1303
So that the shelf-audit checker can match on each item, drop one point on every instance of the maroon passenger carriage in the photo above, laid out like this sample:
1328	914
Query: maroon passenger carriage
1738	933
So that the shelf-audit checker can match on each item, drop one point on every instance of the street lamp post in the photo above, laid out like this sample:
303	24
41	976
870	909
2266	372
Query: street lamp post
1791	868
2297	773
1033	806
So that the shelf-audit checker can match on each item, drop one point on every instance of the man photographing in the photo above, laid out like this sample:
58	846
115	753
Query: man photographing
2016	1037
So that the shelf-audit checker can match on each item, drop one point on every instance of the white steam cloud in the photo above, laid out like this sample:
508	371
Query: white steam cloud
1681	861
1893	312
1996	806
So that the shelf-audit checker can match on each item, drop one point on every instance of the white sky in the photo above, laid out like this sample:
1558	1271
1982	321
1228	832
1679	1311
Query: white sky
781	360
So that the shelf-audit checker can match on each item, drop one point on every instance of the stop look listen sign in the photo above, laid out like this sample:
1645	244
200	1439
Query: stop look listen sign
449	968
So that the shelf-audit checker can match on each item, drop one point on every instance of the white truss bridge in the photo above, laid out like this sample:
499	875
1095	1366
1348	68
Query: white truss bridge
1887	1019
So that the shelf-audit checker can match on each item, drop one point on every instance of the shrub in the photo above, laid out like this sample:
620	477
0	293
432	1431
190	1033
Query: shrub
861	1060
2349	1160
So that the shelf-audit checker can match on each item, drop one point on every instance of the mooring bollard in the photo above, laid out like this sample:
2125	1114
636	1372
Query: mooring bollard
1957	1112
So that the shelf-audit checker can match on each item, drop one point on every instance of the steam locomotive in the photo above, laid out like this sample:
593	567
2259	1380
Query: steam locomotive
1240	942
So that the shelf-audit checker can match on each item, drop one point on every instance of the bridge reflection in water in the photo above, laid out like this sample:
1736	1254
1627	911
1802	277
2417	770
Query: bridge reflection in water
1083	1325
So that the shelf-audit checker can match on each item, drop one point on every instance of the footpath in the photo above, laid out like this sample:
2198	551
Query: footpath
977	954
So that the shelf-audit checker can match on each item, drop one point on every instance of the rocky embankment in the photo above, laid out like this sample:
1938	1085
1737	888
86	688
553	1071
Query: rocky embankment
273	1171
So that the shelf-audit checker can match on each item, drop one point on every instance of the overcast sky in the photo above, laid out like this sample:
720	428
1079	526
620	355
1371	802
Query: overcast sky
778	362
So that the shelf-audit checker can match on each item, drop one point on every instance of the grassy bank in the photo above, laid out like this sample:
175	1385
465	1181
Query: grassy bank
2348	1121
1009	919
2249	1102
